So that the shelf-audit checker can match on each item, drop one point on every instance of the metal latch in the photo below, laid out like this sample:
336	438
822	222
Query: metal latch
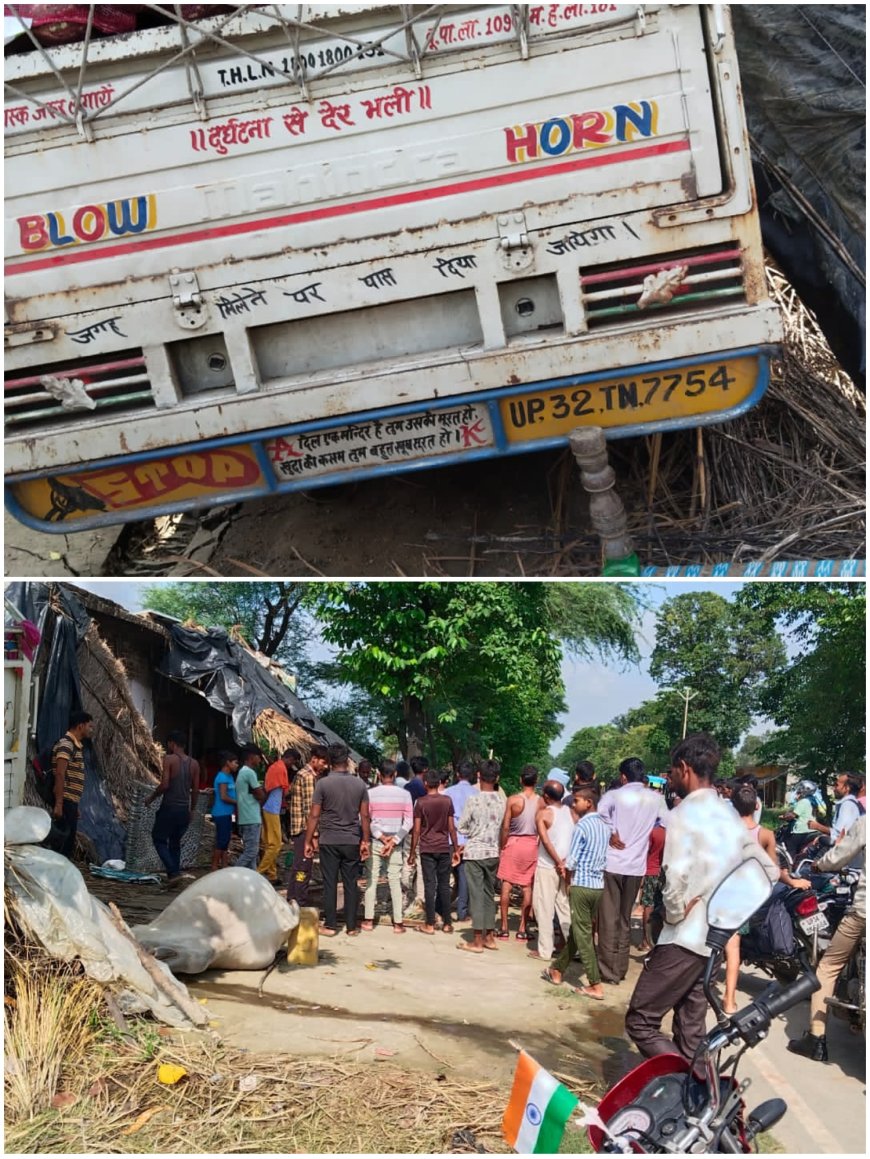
514	241
512	231
26	336
186	300
639	21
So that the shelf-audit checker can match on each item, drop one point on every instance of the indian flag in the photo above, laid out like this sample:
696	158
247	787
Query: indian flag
538	1111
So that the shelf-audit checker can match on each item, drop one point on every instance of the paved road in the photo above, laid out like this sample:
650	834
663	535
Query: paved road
826	1101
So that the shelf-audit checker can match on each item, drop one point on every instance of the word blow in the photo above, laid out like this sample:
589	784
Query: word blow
90	223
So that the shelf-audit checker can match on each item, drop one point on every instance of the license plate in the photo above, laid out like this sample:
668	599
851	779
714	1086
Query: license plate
622	401
814	924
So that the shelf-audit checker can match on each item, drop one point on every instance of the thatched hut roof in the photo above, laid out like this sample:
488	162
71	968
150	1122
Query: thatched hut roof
125	748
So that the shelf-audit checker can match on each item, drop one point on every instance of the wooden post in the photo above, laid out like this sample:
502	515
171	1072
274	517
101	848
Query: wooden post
606	509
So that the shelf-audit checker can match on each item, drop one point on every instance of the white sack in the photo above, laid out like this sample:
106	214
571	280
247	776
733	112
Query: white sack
53	902
25	825
230	919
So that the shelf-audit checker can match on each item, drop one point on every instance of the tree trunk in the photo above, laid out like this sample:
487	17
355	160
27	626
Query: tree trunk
430	742
415	725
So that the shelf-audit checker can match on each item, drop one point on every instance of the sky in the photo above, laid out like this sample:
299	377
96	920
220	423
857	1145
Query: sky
595	692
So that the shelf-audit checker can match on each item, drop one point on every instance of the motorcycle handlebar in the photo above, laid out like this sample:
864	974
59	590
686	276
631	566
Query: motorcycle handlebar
753	1021
806	985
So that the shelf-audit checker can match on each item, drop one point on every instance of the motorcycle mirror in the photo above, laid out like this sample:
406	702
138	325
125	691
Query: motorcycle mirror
735	899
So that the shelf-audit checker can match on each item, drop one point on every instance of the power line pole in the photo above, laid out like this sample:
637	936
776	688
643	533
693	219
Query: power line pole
686	695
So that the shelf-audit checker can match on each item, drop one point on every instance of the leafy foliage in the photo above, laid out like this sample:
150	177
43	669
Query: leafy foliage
709	645
268	614
470	668
606	745
819	698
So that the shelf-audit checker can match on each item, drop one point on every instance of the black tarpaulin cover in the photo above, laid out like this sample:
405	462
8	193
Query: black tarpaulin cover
802	70
234	682
60	695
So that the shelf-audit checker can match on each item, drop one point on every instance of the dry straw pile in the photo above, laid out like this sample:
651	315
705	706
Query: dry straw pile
79	1078
276	733
785	481
126	751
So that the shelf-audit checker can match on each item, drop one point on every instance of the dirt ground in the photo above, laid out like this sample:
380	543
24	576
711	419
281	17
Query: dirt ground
486	519
419	1003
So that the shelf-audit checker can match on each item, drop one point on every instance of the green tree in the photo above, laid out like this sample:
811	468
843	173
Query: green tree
752	749
710	646
606	745
818	699
355	717
468	668
268	615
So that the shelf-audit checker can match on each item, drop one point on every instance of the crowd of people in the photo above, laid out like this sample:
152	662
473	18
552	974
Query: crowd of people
578	860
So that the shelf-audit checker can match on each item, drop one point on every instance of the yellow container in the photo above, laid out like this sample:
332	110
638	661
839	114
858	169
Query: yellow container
302	942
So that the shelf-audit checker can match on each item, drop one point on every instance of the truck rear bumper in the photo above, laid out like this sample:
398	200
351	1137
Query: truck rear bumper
643	399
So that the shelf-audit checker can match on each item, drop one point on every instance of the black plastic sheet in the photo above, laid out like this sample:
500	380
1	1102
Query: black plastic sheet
235	683
802	70
60	695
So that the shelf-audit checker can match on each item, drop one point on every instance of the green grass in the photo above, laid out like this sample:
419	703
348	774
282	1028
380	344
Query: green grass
772	818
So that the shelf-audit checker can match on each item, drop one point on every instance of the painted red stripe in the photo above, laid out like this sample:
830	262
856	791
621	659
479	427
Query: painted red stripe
514	177
635	271
36	379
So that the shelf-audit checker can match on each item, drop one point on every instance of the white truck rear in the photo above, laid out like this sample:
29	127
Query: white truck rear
279	248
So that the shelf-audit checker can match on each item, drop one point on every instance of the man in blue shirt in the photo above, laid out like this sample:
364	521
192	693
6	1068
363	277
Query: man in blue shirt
847	810
584	868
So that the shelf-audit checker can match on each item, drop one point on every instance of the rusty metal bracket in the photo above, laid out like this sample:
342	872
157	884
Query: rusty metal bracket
187	303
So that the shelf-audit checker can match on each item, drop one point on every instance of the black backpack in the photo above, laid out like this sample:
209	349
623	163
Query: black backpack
771	931
43	776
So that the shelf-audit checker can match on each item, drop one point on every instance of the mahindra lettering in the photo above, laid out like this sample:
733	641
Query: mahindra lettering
278	247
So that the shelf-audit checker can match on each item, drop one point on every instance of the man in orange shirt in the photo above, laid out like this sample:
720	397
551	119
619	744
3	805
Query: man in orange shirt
277	786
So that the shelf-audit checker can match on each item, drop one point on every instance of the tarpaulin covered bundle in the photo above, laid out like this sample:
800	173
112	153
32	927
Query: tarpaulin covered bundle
231	919
53	904
802	70
234	682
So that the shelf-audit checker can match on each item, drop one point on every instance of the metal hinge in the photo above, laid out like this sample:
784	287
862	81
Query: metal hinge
514	241
186	300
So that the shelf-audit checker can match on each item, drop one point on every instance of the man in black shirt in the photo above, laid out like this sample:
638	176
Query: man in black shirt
340	811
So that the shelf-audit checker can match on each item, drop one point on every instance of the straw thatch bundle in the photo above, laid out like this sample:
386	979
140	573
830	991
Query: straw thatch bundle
125	748
275	733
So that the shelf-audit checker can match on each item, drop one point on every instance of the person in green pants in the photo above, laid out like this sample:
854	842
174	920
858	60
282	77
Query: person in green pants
584	867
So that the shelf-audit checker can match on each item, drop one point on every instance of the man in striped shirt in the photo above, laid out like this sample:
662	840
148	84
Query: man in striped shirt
68	763
391	813
584	867
301	798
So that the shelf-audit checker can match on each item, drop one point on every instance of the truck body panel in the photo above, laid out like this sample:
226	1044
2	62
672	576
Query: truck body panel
266	248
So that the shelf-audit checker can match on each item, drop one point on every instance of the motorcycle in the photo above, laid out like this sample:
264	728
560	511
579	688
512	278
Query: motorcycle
784	935
836	892
808	850
670	1106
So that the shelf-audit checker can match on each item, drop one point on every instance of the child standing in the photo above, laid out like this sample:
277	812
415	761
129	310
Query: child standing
585	870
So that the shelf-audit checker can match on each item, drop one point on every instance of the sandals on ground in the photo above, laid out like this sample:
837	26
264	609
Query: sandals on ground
547	976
